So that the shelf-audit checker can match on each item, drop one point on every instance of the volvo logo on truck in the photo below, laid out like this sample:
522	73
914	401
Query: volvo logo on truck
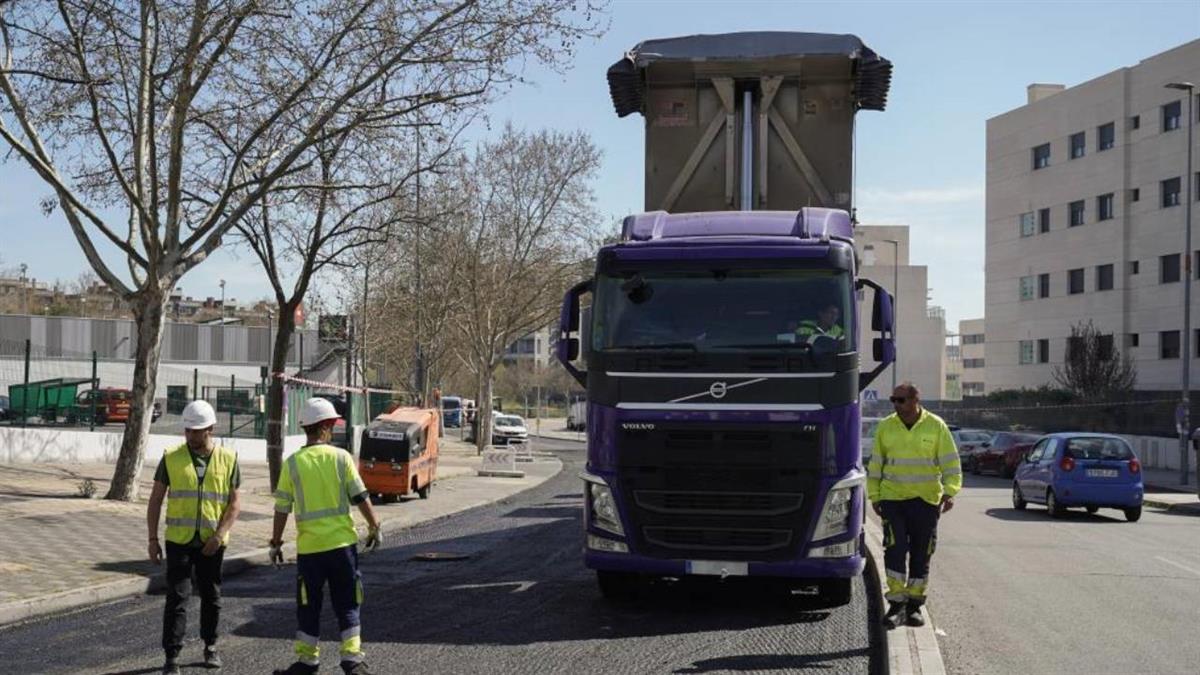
637	426
717	390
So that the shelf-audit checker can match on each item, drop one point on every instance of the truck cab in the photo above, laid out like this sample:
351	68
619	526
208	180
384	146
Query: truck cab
720	349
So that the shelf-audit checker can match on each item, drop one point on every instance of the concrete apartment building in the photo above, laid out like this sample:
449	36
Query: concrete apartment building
1086	198
920	328
972	351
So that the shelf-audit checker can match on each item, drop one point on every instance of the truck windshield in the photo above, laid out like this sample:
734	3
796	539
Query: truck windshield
712	310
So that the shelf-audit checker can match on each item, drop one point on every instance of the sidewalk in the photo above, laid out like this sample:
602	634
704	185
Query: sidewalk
1163	491
59	550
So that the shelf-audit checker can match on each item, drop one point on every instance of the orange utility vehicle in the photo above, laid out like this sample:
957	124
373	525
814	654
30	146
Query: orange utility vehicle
399	453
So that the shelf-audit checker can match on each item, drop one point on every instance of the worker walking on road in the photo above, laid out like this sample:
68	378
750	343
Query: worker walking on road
912	478
200	481
318	484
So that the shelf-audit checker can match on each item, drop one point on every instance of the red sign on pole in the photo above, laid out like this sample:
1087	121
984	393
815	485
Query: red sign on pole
299	314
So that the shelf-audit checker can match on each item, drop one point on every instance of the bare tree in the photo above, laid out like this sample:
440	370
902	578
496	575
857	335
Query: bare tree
528	212
181	116
1094	368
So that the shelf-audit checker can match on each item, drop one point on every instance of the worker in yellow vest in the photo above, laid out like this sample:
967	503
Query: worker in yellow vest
318	484
912	478
826	326
200	481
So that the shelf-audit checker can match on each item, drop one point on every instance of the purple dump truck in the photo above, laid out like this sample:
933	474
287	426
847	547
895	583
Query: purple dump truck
720	348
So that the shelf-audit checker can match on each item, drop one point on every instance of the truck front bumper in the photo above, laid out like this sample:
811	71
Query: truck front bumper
806	568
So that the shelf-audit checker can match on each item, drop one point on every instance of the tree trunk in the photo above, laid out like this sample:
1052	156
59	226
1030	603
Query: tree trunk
150	312
284	328
484	405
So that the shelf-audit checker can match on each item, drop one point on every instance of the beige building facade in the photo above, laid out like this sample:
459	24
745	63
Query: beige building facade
920	328
972	350
1086	200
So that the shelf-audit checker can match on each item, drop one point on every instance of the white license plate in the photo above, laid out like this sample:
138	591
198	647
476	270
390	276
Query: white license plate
1102	473
718	568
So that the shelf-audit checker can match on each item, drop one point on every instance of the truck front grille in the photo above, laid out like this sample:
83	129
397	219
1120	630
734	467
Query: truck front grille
719	503
707	539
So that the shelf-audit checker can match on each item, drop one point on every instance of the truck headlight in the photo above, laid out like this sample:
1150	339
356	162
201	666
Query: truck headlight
835	514
603	507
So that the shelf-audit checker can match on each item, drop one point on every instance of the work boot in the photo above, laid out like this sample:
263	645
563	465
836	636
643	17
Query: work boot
352	668
297	668
211	658
171	666
895	615
913	616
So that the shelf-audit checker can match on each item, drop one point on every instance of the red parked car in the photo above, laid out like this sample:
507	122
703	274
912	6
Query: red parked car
1003	453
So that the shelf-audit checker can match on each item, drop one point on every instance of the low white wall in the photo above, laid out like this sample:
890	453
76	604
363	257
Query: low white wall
36	445
1159	452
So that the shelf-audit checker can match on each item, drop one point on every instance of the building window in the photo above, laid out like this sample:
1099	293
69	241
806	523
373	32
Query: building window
1043	285
1135	194
973	339
1073	344
1027	224
1076	210
1043	351
1104	207
1195	342
1168	268
1133	339
1026	356
1044	214
972	363
1196	265
1041	156
1168	344
1171	115
1077	145
1027	288
1170	192
1196	187
1075	281
1106	135
1104	277
1104	347
1134	267
1135	122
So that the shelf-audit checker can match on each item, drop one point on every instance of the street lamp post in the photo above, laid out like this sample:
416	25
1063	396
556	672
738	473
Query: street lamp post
1185	426
895	299
222	284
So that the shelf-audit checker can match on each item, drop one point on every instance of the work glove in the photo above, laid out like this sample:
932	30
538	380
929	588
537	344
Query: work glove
374	539
276	553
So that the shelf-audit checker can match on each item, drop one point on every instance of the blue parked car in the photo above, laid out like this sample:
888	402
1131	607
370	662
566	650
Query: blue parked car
1080	469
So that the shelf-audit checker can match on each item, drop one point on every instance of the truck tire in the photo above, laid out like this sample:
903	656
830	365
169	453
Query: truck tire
617	586
834	592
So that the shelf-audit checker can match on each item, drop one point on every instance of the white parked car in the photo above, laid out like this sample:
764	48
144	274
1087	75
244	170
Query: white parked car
508	428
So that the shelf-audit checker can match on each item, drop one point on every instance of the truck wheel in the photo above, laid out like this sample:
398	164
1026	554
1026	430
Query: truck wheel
834	592
617	586
1133	513
423	492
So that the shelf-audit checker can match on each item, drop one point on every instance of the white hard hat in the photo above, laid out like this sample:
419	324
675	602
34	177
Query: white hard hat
199	415
317	410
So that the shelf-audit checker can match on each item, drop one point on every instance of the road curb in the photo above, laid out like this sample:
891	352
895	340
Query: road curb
1174	507
64	602
911	651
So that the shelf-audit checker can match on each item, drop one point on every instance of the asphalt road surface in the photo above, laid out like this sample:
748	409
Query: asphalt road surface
1018	592
521	602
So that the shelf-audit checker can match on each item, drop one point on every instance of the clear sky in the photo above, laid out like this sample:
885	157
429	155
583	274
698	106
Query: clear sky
920	163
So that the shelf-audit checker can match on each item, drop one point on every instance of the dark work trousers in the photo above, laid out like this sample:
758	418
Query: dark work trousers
182	562
339	569
909	538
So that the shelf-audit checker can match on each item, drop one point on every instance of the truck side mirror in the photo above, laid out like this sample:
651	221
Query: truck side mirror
882	313
884	350
567	349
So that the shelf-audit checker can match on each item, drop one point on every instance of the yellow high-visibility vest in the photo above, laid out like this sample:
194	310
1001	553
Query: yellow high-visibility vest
316	484
193	505
918	462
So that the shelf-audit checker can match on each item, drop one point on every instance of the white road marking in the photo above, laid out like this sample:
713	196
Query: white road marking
1181	566
521	586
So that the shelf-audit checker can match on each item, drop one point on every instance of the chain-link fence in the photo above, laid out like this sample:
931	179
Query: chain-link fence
78	389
